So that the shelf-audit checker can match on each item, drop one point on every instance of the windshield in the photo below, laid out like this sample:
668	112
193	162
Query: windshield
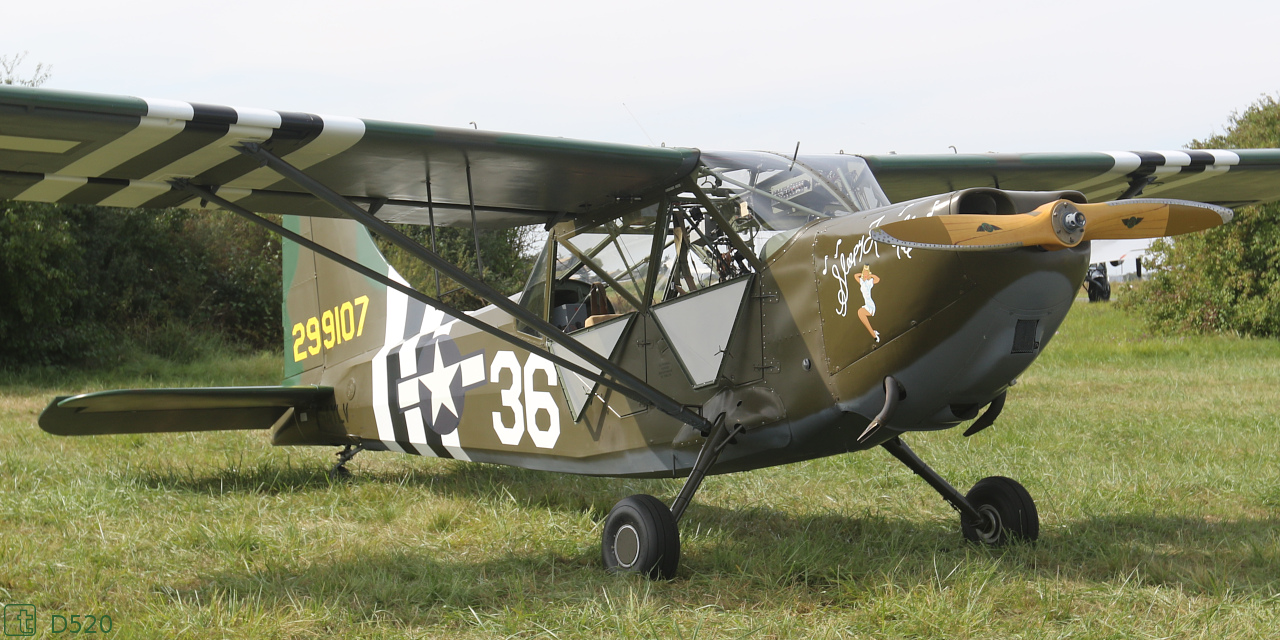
767	193
782	194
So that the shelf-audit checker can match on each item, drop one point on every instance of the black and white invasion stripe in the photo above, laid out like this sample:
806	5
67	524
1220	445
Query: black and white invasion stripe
196	141
1168	169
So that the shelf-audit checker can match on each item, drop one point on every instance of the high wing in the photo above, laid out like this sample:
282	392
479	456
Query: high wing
80	148
1228	178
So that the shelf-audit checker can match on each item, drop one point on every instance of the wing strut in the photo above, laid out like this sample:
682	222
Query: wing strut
431	218
475	236
632	384
210	196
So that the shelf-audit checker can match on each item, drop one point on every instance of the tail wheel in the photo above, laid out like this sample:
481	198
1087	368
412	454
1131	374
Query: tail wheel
1008	510
640	536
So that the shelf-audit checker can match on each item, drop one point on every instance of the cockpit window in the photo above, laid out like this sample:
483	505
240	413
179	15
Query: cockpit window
720	224
768	194
598	271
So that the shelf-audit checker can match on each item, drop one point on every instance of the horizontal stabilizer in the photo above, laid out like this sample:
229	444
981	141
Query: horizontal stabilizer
1056	225
176	410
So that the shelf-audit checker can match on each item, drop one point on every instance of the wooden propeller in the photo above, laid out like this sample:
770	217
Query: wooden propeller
1055	225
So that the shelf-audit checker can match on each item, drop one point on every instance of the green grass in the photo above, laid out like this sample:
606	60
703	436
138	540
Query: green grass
1155	463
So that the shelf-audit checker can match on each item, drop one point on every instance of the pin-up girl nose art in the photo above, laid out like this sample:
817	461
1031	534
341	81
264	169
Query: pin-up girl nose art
867	280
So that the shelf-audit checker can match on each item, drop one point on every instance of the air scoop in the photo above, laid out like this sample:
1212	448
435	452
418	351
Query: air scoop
1055	225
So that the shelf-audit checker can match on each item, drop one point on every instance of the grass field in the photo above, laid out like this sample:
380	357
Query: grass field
1155	463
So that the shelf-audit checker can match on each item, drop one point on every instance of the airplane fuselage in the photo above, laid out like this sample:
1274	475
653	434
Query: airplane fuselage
813	338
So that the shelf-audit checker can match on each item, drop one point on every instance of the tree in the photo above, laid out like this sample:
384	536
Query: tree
9	71
1226	279
505	254
84	284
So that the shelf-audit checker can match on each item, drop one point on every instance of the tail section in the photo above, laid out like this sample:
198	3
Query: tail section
330	313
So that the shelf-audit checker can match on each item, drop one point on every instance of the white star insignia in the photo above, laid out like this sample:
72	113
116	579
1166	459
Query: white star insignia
439	382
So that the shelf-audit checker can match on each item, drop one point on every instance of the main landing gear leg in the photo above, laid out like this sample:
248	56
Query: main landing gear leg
995	511
340	470
641	534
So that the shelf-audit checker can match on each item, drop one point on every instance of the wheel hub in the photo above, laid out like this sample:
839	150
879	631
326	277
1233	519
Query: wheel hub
989	529
626	545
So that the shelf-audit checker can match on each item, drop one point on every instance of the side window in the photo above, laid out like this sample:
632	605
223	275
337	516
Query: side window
534	297
696	252
602	270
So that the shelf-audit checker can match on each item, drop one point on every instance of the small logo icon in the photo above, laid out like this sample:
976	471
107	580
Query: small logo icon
1131	222
19	620
987	227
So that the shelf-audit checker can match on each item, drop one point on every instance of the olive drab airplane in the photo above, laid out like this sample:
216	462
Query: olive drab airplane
691	312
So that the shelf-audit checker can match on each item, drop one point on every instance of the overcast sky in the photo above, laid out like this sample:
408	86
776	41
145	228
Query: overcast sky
854	76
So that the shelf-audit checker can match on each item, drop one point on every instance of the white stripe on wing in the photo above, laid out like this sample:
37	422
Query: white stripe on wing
338	135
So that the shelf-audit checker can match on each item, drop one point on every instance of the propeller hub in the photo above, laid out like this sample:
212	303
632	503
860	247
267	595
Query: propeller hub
1068	223
1073	221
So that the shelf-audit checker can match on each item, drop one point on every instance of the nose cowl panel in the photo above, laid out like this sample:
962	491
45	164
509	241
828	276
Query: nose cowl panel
869	293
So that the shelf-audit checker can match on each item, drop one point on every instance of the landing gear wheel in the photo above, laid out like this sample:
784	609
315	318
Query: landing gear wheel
640	536
339	470
1009	512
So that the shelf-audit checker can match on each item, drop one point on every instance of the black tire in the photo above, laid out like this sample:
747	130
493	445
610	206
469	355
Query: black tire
1099	290
1010	511
640	536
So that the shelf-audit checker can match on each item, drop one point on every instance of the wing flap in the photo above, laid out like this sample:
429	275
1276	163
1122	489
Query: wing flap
179	410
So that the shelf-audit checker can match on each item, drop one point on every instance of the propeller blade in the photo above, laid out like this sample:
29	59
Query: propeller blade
1055	225
968	232
1149	218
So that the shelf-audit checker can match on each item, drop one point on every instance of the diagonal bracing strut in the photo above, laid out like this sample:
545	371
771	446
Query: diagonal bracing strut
664	402
208	195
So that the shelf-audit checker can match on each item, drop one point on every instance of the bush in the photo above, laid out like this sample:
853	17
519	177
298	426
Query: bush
1226	279
505	254
84	284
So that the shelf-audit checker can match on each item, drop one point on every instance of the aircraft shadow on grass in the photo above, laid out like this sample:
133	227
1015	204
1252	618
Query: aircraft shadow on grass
406	584
817	551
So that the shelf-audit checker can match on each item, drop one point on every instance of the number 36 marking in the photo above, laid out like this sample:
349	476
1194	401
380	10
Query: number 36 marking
525	415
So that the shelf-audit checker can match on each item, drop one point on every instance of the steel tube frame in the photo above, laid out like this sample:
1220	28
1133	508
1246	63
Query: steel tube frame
600	271
631	383
764	193
655	250
735	240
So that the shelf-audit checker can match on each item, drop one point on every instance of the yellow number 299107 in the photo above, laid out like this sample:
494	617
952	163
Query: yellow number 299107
329	329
